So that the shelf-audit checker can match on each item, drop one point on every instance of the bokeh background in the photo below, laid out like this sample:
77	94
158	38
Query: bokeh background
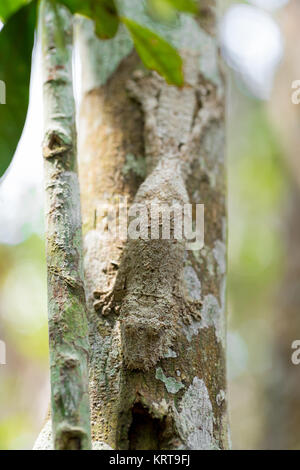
259	42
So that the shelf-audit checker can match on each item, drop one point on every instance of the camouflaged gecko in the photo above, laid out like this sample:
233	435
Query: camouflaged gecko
148	293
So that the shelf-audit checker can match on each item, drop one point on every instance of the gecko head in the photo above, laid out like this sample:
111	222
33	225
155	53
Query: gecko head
144	341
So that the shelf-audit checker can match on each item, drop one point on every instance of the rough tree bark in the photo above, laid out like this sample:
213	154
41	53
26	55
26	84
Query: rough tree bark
156	310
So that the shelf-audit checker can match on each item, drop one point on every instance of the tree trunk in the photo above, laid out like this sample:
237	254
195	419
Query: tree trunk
156	308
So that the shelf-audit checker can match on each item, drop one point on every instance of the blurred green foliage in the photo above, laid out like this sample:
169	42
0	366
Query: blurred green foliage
257	189
23	319
256	186
8	7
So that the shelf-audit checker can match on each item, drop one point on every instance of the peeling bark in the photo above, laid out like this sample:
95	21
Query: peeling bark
156	309
68	328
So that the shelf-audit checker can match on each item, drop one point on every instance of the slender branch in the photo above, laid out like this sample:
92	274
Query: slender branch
68	328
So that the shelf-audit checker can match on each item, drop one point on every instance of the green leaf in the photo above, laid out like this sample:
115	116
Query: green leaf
16	43
162	11
188	6
103	12
8	7
156	53
165	6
